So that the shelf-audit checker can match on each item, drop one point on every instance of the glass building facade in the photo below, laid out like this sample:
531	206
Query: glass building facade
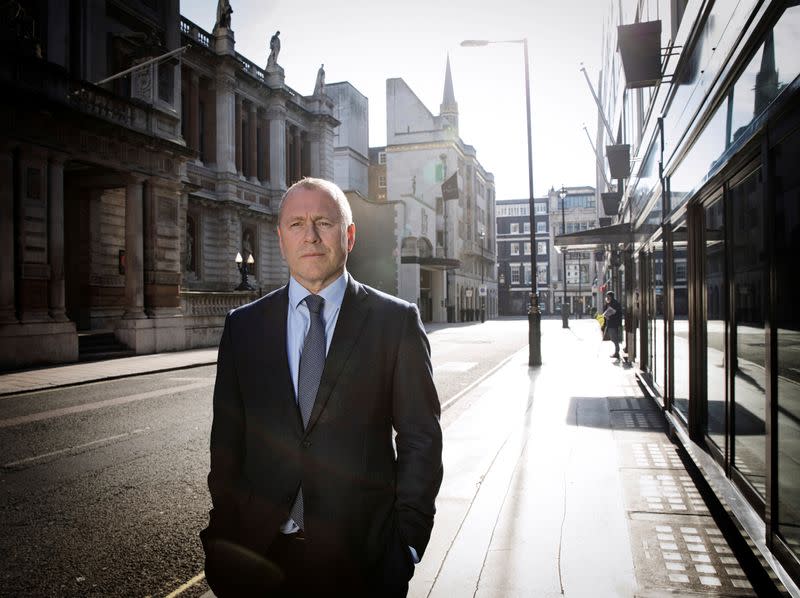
709	271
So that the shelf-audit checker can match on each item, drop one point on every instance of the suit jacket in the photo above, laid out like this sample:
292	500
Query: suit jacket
361	500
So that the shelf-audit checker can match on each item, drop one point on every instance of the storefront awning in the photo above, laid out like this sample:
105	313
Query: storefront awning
596	237
432	263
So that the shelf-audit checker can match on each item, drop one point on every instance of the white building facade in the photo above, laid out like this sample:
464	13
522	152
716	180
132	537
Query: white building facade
446	248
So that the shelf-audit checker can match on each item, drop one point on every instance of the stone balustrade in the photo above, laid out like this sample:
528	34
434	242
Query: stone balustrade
204	314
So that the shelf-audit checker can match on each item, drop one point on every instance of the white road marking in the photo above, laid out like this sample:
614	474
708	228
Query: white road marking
194	580
53	413
449	403
455	366
74	448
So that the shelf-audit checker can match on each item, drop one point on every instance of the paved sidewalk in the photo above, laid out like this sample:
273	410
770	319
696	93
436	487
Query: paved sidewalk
561	481
94	371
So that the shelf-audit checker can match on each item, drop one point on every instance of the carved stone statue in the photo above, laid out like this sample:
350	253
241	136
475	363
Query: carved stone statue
274	49
224	11
319	86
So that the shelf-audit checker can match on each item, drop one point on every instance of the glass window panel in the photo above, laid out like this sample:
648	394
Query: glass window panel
715	321
775	64
749	377
656	323
680	302
787	323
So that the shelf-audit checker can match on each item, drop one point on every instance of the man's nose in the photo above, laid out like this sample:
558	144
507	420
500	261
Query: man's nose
312	234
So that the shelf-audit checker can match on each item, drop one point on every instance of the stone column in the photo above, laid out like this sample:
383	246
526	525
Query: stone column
134	249
193	126
298	154
225	123
55	236
252	146
263	138
7	265
314	149
277	147
237	135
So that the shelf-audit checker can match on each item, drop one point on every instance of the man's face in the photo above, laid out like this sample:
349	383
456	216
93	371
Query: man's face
313	238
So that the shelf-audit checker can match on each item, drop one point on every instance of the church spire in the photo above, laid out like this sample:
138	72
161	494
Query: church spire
449	107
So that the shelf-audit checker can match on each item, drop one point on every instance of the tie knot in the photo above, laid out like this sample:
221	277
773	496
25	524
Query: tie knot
314	303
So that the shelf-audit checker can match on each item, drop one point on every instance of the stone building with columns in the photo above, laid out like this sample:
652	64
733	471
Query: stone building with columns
251	136
124	200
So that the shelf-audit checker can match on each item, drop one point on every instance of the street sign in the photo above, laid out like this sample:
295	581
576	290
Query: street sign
482	291
468	293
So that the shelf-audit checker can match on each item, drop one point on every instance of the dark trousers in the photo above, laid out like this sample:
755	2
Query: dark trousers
287	570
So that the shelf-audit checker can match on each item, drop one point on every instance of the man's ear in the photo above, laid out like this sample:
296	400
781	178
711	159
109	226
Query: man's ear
351	236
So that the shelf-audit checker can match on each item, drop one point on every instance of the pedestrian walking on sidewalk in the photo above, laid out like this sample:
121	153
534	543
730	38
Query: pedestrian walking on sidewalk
309	495
613	322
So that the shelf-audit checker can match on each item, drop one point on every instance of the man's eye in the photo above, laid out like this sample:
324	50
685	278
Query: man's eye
295	225
323	223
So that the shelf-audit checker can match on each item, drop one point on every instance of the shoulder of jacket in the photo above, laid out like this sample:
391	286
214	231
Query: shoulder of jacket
385	300
256	306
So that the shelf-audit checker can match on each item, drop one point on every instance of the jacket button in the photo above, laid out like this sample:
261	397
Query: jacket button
288	499
306	443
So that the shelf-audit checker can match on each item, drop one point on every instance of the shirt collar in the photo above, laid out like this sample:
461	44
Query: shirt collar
333	293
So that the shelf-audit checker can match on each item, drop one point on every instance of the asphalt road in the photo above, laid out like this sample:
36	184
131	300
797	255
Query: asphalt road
102	486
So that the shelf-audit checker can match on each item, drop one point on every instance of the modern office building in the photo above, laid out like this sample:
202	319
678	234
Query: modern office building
702	101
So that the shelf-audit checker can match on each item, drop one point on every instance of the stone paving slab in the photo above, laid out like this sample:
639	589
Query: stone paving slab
638	420
649	453
636	403
81	373
685	555
660	491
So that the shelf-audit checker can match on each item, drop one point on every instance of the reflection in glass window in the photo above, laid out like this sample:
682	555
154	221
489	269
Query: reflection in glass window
655	311
749	270
787	323
680	302
775	64
715	312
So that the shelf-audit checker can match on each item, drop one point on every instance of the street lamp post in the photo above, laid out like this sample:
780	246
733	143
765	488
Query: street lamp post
579	308
534	315
243	266
482	291
562	195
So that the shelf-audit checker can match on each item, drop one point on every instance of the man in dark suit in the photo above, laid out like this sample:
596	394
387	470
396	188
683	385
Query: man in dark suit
310	494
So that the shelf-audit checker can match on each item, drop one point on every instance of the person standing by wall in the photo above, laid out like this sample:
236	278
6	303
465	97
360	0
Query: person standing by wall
613	321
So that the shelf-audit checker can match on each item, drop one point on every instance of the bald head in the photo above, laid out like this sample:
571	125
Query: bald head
328	189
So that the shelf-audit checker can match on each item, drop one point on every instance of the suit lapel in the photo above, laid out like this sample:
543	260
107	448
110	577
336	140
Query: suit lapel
349	325
271	353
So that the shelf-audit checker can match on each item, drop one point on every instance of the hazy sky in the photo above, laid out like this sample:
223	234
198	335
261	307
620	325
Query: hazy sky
367	41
